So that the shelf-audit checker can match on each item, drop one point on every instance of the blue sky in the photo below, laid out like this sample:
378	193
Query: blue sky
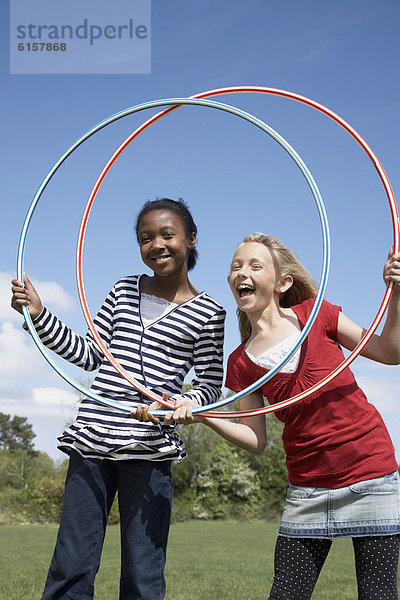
344	55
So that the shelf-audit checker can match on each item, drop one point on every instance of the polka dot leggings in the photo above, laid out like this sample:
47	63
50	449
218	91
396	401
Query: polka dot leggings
298	563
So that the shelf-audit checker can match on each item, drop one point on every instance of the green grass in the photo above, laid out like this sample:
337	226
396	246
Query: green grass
206	561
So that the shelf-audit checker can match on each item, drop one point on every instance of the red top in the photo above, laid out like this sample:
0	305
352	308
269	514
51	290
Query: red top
334	437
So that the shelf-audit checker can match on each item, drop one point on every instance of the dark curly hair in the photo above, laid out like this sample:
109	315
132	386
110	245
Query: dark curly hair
179	208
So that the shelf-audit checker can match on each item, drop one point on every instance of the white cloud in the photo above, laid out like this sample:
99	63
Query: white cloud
52	398
17	356
6	312
51	293
381	384
382	392
365	366
40	401
48	409
24	373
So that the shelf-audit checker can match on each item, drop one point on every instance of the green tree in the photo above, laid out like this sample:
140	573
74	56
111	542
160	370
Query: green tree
44	500
15	433
214	481
271	469
30	487
218	480
18	468
228	486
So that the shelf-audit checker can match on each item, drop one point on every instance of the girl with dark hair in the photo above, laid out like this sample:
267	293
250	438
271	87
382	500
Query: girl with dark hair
180	209
157	327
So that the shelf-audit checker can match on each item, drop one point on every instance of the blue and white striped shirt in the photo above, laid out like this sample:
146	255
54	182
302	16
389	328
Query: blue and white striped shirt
158	355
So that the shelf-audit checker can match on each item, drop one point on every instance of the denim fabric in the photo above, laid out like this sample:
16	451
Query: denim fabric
145	497
366	508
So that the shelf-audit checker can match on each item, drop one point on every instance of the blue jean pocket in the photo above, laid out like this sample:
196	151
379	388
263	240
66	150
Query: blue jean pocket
296	492
388	484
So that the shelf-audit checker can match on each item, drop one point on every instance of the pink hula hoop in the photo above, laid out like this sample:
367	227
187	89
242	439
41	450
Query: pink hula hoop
378	317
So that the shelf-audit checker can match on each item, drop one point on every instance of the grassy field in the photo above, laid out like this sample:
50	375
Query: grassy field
206	561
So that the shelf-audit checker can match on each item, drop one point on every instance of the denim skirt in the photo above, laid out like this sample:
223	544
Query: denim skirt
365	508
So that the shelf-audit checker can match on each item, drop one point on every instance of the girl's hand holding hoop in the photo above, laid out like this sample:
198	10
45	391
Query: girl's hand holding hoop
182	413
391	270
141	413
25	295
383	348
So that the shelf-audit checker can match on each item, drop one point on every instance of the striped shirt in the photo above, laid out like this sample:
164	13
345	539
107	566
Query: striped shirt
158	355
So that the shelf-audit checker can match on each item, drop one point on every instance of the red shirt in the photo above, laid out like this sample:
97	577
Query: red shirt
334	437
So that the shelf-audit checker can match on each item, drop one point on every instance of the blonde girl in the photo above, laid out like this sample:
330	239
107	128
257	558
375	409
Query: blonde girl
343	479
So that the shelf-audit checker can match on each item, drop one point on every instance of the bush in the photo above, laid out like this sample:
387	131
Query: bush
13	506
183	506
44	501
216	481
219	480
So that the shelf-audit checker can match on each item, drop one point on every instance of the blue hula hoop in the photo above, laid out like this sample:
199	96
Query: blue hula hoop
310	181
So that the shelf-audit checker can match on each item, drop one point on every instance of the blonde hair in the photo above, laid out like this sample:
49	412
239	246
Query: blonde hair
286	263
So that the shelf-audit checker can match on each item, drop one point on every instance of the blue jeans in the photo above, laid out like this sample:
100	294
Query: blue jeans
145	497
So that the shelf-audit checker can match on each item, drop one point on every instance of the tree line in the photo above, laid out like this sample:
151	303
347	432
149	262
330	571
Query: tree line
216	481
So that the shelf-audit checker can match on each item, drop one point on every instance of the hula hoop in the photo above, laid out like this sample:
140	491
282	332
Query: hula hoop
174	102
396	234
85	218
396	246
228	90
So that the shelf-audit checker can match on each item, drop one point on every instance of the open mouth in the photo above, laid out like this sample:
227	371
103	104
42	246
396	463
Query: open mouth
245	291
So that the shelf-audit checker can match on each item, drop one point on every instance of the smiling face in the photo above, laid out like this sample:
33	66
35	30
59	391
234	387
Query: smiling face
163	242
254	279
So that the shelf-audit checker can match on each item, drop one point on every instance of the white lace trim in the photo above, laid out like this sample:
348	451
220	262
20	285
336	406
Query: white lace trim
156	299
271	357
153	308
